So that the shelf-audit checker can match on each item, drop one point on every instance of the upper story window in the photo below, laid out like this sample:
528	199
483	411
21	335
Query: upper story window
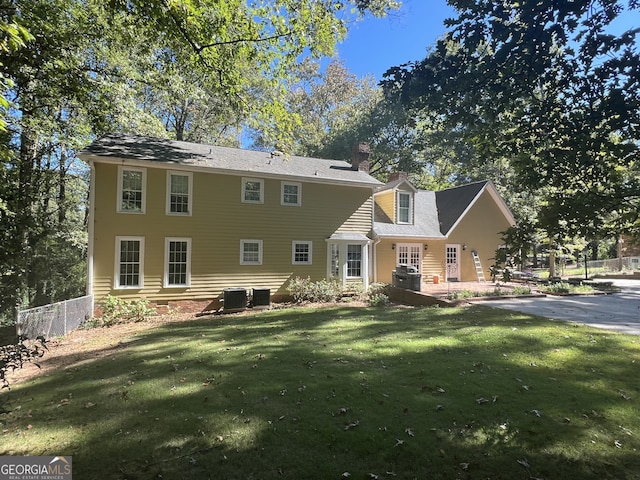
291	193
252	190
301	252
179	196
129	262
404	208
132	189
250	252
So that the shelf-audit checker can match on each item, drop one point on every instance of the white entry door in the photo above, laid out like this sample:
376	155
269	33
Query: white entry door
453	263
409	254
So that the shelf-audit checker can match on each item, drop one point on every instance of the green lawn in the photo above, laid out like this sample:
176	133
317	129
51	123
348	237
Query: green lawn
343	392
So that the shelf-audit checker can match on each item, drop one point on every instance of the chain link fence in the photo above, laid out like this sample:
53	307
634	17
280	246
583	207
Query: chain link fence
56	319
616	264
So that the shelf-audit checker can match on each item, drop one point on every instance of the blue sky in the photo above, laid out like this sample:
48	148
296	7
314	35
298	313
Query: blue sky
376	44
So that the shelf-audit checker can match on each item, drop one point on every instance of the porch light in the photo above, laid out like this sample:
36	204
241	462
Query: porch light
464	247
426	247
393	246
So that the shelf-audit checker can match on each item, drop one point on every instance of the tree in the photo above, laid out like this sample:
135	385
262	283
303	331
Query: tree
182	68
549	88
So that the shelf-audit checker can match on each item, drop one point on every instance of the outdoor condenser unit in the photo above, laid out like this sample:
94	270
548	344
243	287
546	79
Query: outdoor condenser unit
261	298
235	299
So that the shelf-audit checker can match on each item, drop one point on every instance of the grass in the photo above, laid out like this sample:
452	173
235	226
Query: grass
343	392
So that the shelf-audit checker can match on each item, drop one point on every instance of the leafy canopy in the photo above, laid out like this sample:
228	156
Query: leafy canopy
550	87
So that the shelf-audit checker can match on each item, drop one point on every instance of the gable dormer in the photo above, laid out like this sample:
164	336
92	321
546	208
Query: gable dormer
397	199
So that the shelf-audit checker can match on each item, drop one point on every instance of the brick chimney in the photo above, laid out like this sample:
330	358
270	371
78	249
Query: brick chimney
397	176
360	157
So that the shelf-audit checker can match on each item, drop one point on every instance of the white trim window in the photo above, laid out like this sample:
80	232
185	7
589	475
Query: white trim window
129	262
252	190
132	195
179	197
354	261
177	269
404	207
250	252
301	252
291	194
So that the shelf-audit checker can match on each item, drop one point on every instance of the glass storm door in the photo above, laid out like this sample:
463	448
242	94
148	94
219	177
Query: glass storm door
453	263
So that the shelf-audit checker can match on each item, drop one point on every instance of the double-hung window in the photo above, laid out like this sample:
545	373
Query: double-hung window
404	208
301	252
354	261
252	190
129	262
179	196
131	189
177	262
291	194
250	252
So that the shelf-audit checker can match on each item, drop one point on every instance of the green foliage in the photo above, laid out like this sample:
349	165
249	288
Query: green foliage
566	288
521	290
116	310
15	356
551	88
71	70
323	291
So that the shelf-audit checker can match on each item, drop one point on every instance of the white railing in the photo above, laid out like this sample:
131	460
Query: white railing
55	319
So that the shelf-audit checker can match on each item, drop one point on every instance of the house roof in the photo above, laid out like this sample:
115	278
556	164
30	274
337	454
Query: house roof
116	148
454	202
395	184
437	213
426	223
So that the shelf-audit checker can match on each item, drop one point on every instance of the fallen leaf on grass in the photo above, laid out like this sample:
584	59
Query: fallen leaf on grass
89	405
409	432
352	425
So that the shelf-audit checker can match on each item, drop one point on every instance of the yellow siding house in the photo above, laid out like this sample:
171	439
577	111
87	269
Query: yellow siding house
178	222
183	223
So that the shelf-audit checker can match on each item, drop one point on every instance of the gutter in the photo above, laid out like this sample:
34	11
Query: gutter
90	231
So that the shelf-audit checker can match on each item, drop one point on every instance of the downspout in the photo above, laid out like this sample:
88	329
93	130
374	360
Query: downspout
374	255
90	231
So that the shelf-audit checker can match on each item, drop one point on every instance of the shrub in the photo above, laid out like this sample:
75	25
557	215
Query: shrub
520	290
14	356
116	310
378	300
566	287
323	291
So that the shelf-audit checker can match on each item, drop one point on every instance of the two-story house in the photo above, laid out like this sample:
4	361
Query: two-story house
178	222
181	222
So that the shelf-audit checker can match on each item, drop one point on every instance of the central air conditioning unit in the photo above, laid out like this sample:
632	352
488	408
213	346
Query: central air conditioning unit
235	299
261	298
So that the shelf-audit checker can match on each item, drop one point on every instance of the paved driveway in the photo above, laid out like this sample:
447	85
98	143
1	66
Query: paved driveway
618	311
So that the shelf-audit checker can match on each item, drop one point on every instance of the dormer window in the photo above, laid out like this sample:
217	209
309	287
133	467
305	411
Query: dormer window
404	208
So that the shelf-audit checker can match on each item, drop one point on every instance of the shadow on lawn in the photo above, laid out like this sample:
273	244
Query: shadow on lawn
406	393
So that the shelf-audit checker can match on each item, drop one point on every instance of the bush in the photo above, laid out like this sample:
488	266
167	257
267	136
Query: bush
323	291
520	290
378	300
116	310
13	357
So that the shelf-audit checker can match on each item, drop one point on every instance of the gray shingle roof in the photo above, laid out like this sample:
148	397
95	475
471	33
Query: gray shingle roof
426	222
223	159
452	203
